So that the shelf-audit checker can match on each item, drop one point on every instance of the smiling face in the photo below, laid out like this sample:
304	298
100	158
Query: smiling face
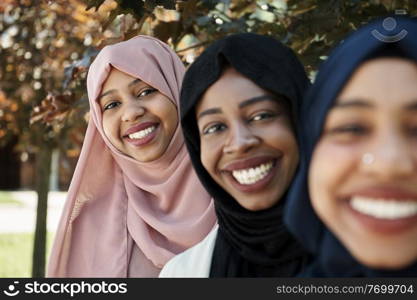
363	174
137	119
247	142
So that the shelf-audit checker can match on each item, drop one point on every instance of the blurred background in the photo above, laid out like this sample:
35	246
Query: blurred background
46	48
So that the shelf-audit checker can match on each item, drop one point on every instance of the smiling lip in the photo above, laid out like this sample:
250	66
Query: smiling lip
143	141
383	226
139	127
247	163
379	225
384	192
250	163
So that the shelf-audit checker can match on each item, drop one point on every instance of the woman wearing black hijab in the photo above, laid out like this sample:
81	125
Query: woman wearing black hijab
239	103
358	157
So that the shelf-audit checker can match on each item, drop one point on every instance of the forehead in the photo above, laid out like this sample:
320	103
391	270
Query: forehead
117	78
229	90
384	81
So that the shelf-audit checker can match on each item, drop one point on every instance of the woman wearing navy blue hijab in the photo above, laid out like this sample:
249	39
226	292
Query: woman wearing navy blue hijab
353	203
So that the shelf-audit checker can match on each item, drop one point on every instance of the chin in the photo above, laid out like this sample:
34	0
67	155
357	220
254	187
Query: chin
386	262
148	156
252	205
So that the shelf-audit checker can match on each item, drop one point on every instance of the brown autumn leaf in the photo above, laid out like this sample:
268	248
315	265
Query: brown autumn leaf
53	108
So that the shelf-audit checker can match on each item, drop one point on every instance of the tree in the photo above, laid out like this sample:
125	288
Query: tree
38	40
310	27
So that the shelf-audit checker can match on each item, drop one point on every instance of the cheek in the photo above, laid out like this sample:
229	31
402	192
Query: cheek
319	179
166	111
278	133
110	128
282	138
207	156
331	168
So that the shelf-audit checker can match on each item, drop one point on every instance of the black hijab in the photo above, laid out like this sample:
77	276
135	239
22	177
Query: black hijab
248	244
331	258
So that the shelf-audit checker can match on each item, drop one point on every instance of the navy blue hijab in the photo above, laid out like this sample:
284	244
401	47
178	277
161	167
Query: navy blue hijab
331	258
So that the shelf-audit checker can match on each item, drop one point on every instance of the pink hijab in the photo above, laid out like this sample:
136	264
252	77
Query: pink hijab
116	203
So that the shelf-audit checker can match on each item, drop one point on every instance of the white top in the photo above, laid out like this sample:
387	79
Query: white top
193	262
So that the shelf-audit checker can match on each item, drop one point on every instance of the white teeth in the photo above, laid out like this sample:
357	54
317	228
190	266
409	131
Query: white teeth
252	175
141	134
384	208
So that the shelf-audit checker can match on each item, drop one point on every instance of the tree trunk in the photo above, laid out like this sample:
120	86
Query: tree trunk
43	169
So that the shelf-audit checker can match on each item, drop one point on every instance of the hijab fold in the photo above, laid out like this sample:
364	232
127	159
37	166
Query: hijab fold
248	243
116	203
331	257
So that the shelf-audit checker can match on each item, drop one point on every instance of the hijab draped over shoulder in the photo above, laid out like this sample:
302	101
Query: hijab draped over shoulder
124	217
249	243
332	259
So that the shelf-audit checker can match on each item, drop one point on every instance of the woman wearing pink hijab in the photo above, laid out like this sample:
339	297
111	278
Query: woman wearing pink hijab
134	200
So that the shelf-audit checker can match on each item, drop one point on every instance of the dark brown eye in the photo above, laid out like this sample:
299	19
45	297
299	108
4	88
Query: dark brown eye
353	129
146	92
214	128
262	116
111	105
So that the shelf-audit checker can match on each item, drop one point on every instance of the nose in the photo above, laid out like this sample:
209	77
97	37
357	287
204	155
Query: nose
132	110
393	157
241	140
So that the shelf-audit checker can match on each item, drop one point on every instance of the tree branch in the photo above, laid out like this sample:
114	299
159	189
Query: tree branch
193	46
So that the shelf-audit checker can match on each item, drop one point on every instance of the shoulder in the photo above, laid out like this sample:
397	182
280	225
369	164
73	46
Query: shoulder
193	262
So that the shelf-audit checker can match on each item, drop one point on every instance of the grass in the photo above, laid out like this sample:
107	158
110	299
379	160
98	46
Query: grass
16	254
7	198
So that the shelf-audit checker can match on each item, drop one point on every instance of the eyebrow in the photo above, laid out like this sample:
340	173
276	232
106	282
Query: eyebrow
210	111
361	103
256	99
113	90
243	104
